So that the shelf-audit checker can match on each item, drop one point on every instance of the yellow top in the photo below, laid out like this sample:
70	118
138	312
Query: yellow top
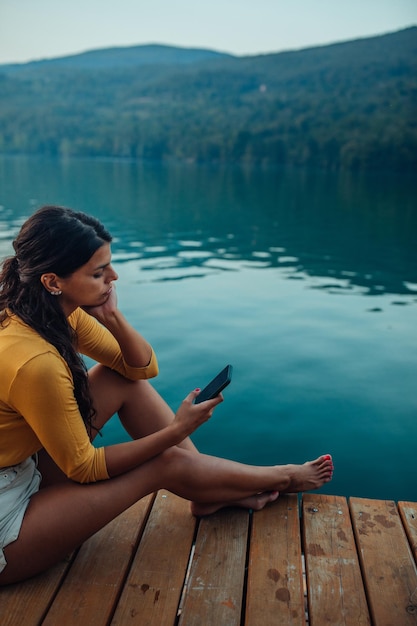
37	404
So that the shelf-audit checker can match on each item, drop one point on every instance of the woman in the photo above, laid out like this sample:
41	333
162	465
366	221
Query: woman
57	301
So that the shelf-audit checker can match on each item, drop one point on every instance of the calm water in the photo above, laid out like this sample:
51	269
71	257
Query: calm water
306	282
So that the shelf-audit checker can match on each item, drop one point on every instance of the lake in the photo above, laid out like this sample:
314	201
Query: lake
305	281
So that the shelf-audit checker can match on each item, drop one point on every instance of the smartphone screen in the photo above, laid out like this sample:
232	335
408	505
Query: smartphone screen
216	386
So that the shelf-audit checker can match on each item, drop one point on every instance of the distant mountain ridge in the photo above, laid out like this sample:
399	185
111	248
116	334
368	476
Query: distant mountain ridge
349	105
123	57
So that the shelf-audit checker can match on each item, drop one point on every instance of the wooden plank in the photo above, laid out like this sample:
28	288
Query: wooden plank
334	585
28	602
153	589
275	595
408	513
388	567
93	584
215	586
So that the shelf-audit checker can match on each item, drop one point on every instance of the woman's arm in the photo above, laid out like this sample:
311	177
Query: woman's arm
123	457
137	352
42	392
135	349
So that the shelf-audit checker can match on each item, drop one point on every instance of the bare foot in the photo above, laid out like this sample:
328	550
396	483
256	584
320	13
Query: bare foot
256	502
310	475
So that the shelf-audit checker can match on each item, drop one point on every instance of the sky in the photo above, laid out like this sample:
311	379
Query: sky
39	29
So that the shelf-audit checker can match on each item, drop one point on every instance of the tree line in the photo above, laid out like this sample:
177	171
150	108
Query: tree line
344	106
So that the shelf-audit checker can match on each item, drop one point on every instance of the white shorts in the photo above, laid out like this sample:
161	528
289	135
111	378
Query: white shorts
17	484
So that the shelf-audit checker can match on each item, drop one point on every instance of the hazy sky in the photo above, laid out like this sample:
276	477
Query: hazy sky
34	29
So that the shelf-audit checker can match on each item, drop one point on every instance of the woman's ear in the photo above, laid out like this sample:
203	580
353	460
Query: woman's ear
51	283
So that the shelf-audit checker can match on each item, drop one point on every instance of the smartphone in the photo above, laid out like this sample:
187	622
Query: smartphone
216	386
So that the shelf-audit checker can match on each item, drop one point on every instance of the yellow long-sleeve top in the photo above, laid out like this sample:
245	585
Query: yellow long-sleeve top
37	404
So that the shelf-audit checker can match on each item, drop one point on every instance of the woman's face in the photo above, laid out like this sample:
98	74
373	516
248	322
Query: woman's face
91	284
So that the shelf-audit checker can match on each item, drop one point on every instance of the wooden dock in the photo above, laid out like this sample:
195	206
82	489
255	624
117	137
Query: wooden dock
320	560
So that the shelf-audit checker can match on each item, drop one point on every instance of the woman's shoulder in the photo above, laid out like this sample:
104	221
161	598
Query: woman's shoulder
18	341
12	325
26	356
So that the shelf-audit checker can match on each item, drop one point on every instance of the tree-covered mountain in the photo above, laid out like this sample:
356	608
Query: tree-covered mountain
349	105
121	57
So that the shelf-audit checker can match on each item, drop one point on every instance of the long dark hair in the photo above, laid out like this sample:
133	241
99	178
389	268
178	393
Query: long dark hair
59	240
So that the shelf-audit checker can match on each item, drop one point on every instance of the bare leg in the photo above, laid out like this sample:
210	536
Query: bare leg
59	518
306	477
64	514
143	411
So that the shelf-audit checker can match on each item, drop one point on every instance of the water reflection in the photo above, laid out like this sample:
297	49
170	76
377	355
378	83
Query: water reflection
338	232
273	272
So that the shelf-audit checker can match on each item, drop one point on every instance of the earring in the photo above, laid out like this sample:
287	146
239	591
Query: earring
55	293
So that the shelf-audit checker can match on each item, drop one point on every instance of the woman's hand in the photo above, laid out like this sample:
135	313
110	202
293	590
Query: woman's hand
190	416
107	309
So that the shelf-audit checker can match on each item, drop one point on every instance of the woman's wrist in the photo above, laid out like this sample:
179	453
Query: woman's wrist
176	432
112	320
123	457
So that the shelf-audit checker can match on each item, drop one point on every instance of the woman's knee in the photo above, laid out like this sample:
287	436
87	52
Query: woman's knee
104	382
173	461
109	391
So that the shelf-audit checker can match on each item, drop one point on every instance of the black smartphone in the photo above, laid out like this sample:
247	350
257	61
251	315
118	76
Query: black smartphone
216	386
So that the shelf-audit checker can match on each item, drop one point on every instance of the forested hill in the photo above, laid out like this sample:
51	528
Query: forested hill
121	58
350	105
